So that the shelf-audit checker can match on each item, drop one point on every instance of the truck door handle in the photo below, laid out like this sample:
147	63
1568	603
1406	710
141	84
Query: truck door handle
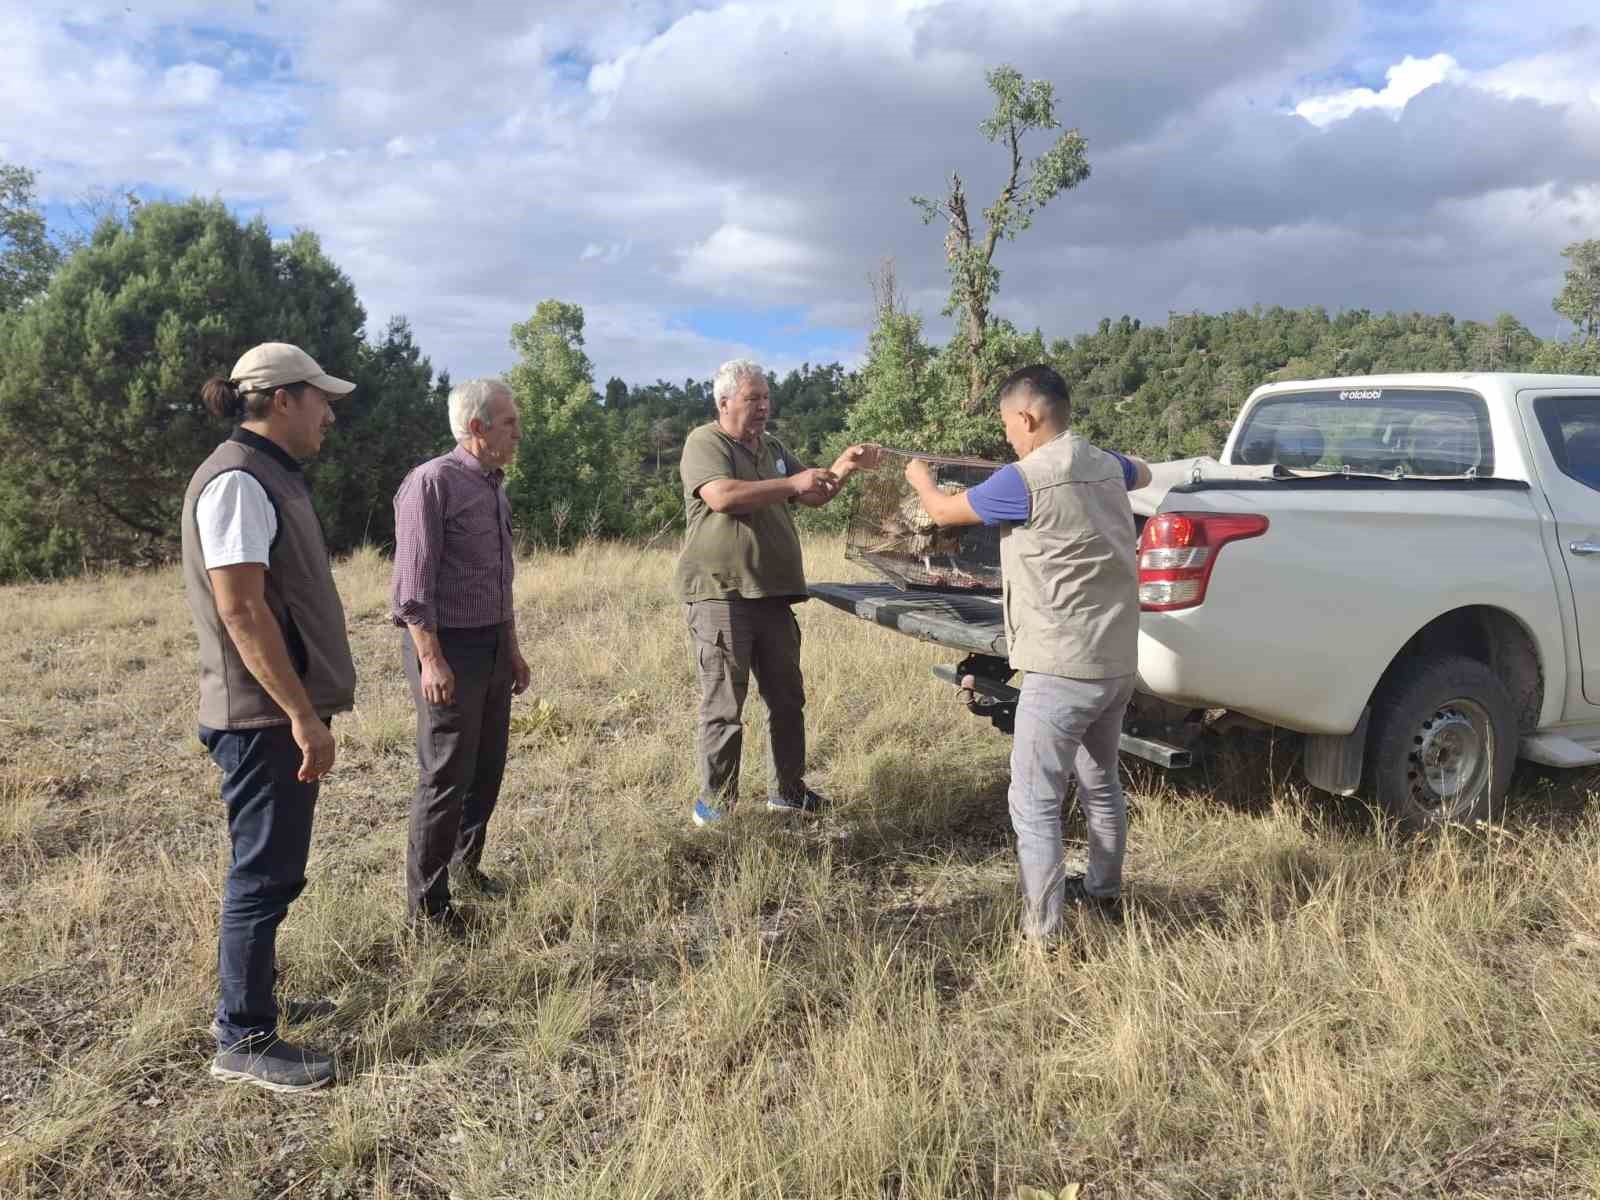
1585	547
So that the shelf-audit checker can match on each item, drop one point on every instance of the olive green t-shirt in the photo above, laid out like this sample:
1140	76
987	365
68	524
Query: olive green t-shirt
753	555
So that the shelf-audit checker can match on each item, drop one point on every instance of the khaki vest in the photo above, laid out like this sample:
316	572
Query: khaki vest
1071	576
299	591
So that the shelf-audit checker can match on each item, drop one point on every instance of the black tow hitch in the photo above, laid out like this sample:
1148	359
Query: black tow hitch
993	697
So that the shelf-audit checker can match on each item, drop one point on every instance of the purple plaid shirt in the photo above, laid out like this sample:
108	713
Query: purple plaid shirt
452	546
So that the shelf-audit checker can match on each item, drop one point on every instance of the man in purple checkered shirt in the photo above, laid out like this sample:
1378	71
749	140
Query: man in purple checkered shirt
452	596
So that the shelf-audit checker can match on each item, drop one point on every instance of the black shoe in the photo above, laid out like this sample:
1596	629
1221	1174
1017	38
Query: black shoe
290	1012
810	804
1106	907
274	1064
469	881
447	923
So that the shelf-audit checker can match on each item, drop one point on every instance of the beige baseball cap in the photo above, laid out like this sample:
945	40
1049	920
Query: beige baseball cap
278	364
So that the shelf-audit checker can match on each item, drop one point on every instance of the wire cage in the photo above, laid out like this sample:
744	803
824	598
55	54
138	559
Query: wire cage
891	533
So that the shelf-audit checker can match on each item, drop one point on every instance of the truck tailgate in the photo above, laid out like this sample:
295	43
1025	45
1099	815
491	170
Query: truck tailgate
960	620
968	622
1299	624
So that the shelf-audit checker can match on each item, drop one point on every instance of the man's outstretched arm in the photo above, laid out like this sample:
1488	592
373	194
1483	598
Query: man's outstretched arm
945	509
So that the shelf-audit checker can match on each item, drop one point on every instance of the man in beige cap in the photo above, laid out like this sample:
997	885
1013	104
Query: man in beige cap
275	667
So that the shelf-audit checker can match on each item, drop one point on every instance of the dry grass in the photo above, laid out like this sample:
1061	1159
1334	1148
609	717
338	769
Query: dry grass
1297	1006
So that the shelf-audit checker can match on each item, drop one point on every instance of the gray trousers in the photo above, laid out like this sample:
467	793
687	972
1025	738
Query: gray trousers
730	638
461	757
1066	728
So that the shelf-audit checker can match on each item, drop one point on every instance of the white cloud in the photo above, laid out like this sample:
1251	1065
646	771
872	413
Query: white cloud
1563	76
1408	79
191	84
736	260
607	78
464	162
609	255
89	105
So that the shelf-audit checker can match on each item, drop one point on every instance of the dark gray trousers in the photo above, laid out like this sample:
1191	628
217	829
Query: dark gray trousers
730	638
461	758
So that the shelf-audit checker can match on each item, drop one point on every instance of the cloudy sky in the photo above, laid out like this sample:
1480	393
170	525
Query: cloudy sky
716	179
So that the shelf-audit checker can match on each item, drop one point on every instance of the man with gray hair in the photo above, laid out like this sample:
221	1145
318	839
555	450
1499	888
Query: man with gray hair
451	594
739	576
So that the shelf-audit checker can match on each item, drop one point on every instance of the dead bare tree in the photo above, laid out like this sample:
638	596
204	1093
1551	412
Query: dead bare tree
1020	108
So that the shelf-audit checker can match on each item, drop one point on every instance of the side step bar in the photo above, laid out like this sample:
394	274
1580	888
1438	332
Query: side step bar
1163	754
1553	750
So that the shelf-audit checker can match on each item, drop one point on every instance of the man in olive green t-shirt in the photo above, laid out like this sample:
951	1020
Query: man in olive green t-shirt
739	575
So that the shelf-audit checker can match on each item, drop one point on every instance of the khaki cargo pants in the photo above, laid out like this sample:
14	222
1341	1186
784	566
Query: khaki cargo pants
730	638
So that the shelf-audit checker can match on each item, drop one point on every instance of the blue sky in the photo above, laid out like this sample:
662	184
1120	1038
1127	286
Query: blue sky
712	180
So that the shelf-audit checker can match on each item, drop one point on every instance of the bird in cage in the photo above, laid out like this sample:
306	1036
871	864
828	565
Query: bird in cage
908	529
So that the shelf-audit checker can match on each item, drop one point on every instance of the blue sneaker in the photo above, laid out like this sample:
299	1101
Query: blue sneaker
705	814
810	804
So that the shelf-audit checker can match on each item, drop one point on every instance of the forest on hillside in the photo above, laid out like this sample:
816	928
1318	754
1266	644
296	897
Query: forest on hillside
1160	390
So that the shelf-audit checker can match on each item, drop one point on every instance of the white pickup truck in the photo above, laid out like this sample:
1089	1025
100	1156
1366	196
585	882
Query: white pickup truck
1405	568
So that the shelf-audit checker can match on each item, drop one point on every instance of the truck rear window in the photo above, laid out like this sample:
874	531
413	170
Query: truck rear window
1379	431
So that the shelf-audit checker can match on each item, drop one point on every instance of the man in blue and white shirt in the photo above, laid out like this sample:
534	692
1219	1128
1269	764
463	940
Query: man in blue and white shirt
275	668
1067	554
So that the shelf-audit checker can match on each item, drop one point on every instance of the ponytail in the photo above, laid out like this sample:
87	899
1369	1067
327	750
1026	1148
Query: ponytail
221	398
225	401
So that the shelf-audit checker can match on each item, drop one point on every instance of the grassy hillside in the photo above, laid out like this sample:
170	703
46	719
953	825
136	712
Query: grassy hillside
1297	1005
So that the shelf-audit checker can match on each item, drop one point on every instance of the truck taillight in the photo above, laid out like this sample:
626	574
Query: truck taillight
1177	551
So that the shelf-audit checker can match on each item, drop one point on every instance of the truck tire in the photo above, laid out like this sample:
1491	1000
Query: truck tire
1442	743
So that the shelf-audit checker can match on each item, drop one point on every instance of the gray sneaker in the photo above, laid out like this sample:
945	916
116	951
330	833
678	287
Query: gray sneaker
273	1064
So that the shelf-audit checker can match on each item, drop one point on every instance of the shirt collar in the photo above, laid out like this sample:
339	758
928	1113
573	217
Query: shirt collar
463	457
762	445
266	445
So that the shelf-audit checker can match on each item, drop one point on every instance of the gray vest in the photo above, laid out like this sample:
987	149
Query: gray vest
299	591
1071	573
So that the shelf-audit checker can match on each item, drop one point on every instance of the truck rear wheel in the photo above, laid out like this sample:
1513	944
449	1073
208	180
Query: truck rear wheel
1443	741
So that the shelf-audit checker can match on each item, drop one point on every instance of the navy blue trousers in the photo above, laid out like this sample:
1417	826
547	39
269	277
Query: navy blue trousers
269	824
